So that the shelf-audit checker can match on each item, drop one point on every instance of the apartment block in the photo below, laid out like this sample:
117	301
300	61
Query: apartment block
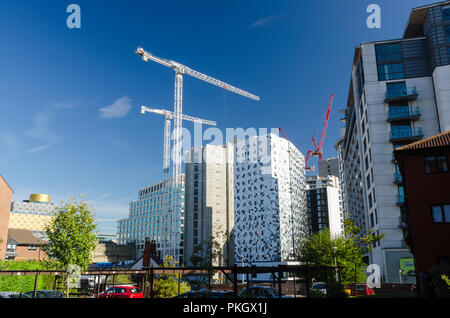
157	214
329	167
325	208
209	209
270	217
399	93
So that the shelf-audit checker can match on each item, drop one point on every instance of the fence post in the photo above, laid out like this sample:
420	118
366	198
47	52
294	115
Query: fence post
235	278
295	289
279	282
35	283
179	283
152	278
307	281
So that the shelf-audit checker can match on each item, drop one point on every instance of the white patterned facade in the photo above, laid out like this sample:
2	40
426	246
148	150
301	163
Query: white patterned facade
270	217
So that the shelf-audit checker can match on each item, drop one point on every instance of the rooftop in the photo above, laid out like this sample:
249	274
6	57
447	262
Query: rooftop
25	237
440	140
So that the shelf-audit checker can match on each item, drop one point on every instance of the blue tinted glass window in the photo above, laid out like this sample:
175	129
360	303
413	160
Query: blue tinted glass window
388	52
446	13
447	33
390	71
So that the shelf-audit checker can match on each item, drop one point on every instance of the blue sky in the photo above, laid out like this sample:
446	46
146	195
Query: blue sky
70	98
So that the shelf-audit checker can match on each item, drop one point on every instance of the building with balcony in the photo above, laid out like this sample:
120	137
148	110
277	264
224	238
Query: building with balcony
6	193
399	93
324	202
270	215
425	219
209	208
157	214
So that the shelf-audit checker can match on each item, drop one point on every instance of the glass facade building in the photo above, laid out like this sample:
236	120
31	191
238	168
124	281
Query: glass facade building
157	214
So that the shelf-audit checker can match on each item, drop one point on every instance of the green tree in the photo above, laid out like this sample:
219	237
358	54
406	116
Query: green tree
207	253
167	284
72	235
347	250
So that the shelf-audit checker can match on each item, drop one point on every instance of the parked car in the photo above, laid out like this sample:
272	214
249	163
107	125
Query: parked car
320	286
46	294
204	293
361	290
260	292
13	295
121	291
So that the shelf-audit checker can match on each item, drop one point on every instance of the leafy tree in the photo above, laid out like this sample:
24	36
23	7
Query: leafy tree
71	235
321	249
167	285
206	254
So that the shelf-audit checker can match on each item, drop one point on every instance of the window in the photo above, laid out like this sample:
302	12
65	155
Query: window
446	13
401	130
436	164
447	33
388	52
390	71
440	213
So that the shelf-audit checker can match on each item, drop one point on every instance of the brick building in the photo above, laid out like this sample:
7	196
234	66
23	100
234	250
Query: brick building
425	217
5	205
24	245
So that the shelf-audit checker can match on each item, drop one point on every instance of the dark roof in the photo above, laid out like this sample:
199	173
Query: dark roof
25	237
436	141
417	18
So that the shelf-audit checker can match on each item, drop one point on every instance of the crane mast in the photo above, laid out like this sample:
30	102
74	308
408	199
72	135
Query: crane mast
319	147
181	69
168	117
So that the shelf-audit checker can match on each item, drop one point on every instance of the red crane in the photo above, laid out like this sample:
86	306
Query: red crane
319	150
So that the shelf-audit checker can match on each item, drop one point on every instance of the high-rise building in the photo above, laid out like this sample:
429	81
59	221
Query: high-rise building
329	167
209	202
399	93
324	203
270	217
33	214
158	214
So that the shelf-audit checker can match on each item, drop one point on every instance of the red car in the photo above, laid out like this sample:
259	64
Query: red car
121	291
362	290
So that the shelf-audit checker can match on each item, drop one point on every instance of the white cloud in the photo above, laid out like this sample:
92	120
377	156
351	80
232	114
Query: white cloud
263	21
120	108
9	140
42	130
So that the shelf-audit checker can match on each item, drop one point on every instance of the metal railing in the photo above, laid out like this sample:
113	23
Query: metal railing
399	93
403	112
414	132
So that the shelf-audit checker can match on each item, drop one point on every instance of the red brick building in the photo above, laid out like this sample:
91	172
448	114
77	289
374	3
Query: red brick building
5	206
425	169
24	245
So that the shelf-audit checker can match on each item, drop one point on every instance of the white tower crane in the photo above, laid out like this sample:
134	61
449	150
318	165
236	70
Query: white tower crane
169	116
181	69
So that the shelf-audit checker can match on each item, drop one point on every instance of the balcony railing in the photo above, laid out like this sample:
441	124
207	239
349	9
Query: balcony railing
404	113
409	93
400	199
398	177
406	135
